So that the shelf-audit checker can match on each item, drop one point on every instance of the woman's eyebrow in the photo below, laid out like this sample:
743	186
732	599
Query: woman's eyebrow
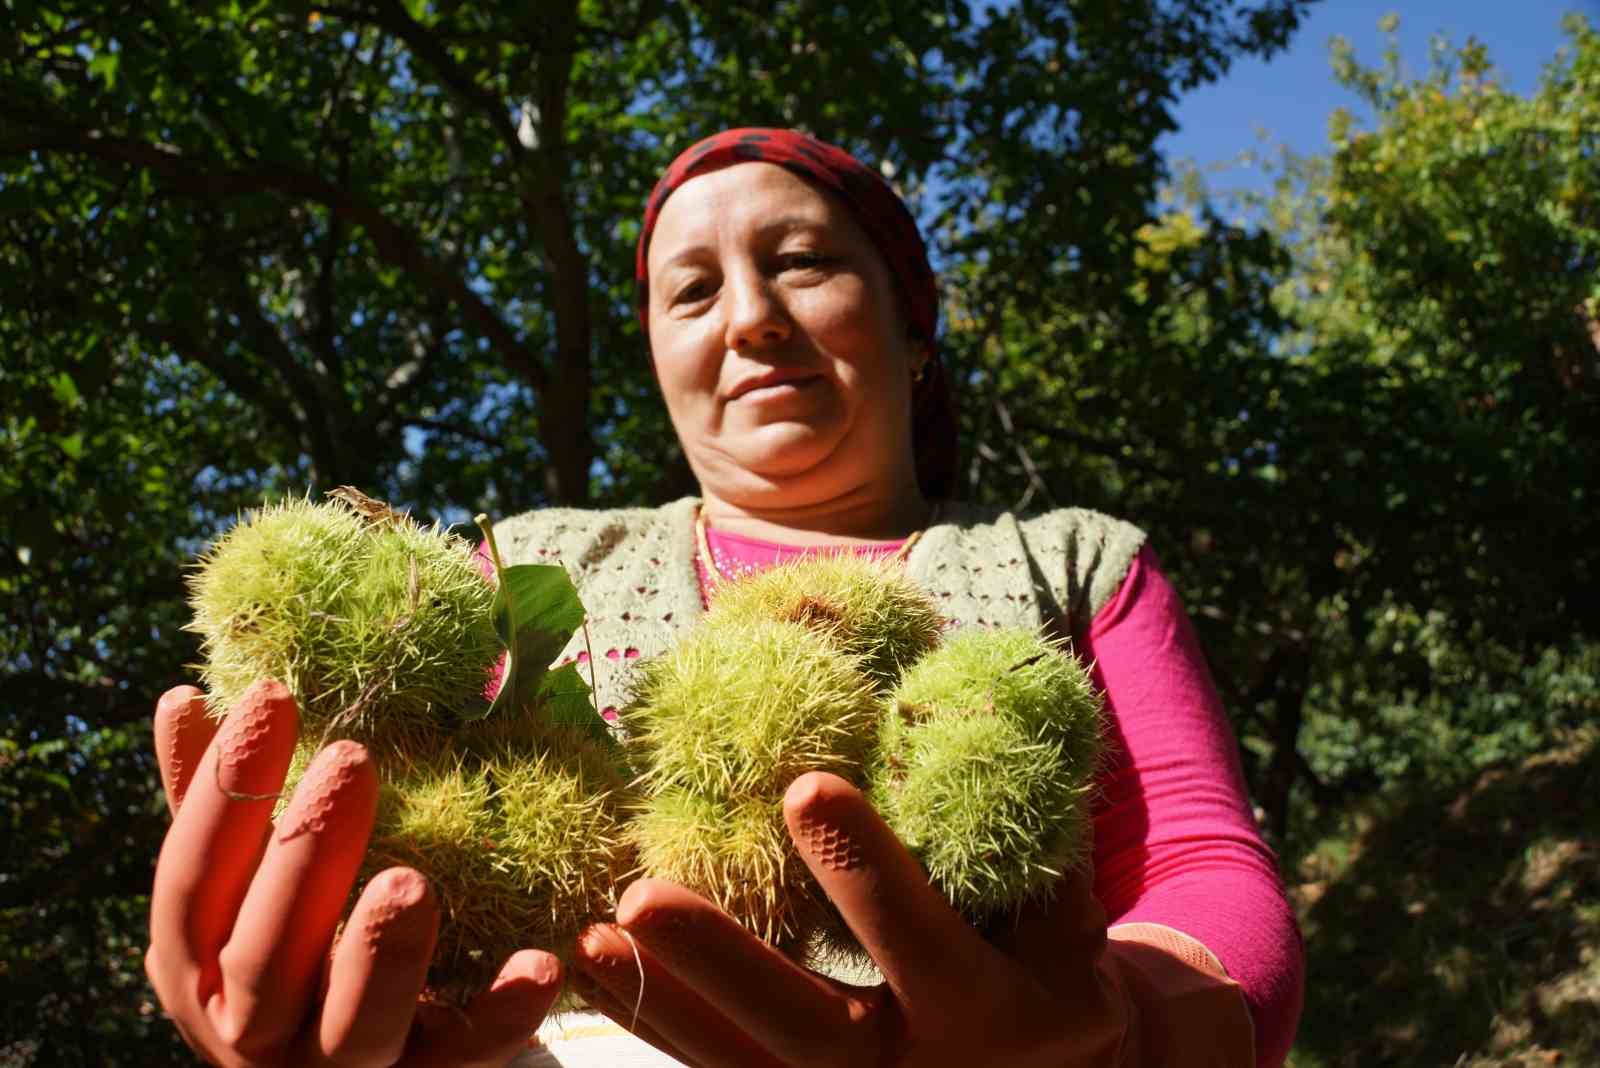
787	223
685	256
783	224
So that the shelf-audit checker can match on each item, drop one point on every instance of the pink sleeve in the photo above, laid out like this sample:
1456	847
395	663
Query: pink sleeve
1175	841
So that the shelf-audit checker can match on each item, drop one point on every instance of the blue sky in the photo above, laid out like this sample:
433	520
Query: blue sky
1292	95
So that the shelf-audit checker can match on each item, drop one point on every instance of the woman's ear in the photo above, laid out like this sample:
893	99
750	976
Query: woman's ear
923	355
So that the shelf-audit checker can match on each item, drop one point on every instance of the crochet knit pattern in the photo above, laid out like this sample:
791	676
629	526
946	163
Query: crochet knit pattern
634	570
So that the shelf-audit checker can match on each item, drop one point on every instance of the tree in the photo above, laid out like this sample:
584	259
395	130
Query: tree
1448	296
1362	434
250	248
1437	437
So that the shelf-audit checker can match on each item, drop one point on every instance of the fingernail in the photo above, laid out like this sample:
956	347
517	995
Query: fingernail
335	775
546	971
256	742
595	940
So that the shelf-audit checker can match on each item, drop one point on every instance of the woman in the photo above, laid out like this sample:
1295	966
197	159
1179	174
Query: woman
791	317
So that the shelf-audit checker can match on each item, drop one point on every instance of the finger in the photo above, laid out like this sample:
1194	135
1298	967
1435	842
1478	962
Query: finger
636	991
932	959
378	971
602	1001
183	730
211	850
795	1014
496	1025
286	922
604	950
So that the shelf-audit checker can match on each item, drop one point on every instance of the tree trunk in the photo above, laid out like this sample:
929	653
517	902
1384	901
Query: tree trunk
1293	678
564	411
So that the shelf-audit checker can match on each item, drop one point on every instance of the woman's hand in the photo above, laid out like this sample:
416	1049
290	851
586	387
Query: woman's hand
715	995
244	911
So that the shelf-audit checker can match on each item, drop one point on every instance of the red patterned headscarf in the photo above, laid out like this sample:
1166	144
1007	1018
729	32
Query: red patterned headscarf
883	215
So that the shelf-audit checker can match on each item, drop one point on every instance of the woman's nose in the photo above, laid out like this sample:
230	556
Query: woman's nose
756	315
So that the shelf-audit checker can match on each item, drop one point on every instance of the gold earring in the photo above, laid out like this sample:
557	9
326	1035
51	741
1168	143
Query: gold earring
922	372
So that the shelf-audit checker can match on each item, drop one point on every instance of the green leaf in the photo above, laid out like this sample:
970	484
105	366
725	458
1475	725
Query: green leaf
104	65
536	612
72	445
564	699
65	389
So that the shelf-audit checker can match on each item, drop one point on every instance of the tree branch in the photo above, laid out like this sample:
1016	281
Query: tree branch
230	372
99	702
315	398
428	46
1035	482
191	176
442	427
543	194
1101	448
411	375
322	333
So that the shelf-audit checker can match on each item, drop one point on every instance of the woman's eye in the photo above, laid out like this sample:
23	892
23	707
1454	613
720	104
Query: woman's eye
804	261
692	292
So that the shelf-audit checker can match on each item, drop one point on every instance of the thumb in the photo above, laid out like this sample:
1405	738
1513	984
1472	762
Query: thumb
930	956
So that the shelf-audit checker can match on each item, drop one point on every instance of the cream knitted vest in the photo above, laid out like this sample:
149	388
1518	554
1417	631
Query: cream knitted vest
634	570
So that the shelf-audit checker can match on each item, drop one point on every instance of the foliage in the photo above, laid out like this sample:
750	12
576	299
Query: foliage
1415	700
82	813
1444	418
1377	479
247	249
1450	287
1471	944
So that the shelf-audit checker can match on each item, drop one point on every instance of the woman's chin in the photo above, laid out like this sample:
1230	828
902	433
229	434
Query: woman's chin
781	451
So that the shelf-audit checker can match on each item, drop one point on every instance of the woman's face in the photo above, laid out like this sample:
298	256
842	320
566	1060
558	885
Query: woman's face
778	340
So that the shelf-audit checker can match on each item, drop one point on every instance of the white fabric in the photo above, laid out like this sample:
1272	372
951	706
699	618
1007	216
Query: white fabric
590	1040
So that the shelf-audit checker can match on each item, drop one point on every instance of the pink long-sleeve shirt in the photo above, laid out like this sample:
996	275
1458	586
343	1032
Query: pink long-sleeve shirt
1175	840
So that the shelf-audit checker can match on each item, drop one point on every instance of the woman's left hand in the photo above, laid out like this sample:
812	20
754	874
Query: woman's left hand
715	995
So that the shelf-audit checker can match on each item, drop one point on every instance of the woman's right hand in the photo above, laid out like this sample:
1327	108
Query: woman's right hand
244	911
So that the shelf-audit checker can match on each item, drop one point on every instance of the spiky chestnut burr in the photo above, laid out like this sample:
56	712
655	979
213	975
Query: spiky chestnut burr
721	724
866	608
385	632
985	764
381	627
519	829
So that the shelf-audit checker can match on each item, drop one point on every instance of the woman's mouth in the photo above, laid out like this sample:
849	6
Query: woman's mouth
776	386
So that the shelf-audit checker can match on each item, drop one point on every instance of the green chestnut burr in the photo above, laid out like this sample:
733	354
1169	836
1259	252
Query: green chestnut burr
985	766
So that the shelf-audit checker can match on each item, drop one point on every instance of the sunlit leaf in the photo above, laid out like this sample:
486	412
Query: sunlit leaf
536	612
